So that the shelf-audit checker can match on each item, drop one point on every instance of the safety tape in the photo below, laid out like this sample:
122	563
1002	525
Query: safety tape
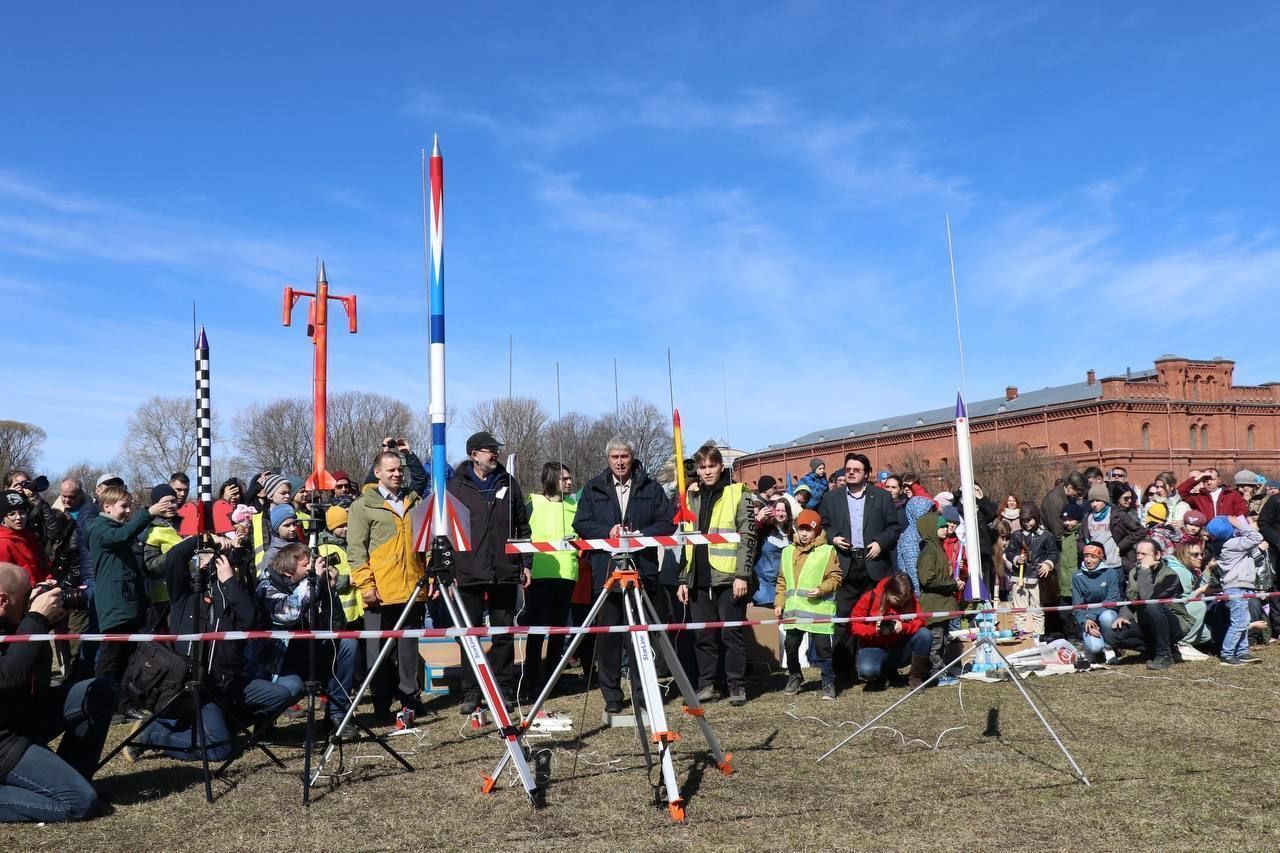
446	633
623	543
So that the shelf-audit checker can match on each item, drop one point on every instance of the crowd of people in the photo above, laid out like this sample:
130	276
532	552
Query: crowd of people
874	546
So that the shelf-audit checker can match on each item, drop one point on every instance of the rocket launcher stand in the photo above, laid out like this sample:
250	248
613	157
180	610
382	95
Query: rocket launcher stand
984	642
639	610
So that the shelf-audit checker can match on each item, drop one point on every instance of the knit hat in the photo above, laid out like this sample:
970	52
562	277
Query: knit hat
943	499
1073	512
1220	528
242	514
273	484
1195	517
809	518
1245	477
15	500
280	513
951	514
765	483
295	482
802	487
1157	513
1099	493
164	490
335	517
815	464
340	475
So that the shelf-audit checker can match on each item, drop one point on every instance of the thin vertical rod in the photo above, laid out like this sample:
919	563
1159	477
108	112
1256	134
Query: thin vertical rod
955	300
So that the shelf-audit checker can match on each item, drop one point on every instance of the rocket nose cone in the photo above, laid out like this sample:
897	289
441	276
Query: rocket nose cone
321	275
675	418
960	409
435	145
203	342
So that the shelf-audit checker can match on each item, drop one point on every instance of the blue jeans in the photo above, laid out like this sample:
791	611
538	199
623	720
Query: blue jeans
54	788
875	662
336	669
1236	642
1095	645
259	701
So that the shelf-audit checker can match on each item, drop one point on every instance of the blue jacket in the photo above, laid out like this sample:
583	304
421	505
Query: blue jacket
817	488
1094	587
649	512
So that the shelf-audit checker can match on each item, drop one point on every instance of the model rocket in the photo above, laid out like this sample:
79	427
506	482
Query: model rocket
684	515
204	438
975	588
445	515
318	330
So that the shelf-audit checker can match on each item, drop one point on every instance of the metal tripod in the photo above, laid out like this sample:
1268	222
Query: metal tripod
983	642
349	719
639	611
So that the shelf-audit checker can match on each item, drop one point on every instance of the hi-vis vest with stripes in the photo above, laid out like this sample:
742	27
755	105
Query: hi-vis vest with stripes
352	605
551	521
723	558
799	605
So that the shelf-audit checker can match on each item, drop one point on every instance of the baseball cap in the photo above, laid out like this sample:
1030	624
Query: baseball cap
809	518
482	440
110	480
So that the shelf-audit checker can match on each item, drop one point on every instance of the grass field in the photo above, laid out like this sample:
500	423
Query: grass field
1177	763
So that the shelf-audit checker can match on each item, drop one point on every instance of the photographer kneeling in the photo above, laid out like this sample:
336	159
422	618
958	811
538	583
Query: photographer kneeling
35	784
227	606
285	596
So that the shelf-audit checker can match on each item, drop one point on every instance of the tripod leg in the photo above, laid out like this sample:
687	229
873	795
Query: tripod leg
692	706
642	665
574	642
199	738
493	697
1017	681
878	717
347	718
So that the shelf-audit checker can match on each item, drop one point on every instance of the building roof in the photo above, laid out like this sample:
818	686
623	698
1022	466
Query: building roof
1076	392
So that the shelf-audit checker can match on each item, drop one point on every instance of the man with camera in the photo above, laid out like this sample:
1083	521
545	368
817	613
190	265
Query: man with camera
206	594
415	473
36	784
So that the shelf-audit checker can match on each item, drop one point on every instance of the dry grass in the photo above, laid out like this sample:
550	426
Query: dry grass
1176	764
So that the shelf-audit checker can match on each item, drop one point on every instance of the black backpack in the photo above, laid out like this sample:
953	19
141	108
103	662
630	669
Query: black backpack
154	676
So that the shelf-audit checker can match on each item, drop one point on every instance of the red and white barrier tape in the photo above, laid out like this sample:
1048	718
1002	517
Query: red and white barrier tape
444	633
622	543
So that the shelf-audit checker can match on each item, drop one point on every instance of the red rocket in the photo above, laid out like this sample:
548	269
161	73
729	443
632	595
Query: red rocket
318	330
684	515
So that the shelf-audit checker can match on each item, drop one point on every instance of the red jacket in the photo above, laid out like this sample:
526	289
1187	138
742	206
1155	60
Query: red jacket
1230	502
22	547
871	603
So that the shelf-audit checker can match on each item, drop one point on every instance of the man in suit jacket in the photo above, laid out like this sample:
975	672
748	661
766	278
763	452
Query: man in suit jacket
864	548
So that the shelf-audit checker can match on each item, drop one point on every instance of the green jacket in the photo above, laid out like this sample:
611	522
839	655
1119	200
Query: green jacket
120	595
1069	552
937	587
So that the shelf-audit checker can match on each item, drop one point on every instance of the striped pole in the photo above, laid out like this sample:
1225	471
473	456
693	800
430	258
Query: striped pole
204	437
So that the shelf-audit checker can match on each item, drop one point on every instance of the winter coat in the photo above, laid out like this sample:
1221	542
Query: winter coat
286	604
1128	531
1040	546
817	488
1051	510
871	604
230	608
22	548
496	517
649	512
1230	502
1196	610
25	669
1094	587
1070	557
1165	585
120	596
1236	564
380	546
830	574
273	548
938	589
768	563
908	548
879	524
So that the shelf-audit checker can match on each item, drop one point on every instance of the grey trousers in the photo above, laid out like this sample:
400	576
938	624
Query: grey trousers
400	676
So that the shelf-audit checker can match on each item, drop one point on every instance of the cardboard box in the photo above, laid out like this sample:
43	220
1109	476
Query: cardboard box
764	642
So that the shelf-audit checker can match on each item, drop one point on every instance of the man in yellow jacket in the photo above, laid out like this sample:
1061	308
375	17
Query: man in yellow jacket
386	570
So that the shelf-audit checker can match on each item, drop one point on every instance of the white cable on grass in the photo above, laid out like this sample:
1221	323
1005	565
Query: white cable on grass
790	712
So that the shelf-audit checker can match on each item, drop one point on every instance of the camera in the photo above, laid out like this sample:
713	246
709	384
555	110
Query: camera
72	598
331	560
38	485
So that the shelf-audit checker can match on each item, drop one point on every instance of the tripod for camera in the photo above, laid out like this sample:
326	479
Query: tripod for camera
985	642
639	610
198	694
322	601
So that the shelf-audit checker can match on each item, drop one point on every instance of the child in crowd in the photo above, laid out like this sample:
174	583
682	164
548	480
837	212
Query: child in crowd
1237	544
938	588
1070	554
808	577
1031	554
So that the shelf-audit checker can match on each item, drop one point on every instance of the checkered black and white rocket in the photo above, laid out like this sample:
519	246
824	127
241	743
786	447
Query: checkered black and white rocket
204	437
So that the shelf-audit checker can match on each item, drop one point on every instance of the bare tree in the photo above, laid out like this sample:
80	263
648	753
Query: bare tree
577	441
161	439
358	422
85	473
645	426
276	435
519	422
999	468
20	445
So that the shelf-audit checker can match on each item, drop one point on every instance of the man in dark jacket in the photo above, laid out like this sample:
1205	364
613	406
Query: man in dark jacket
621	500
1070	490
865	548
487	575
35	784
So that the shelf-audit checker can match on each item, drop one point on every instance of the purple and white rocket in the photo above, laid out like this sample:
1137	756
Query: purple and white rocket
976	587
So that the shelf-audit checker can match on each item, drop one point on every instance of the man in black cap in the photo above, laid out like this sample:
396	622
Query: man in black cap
487	575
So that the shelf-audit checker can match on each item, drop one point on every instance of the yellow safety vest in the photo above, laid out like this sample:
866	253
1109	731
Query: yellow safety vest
163	538
261	538
799	605
723	558
551	521
352	604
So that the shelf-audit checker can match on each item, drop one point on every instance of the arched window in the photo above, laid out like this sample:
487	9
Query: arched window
1195	392
1088	444
1146	436
1193	436
1064	448
1204	437
1251	437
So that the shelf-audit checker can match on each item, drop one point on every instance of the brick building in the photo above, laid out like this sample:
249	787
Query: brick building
1180	415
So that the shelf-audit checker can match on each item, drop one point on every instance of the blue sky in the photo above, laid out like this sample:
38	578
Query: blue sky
761	186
